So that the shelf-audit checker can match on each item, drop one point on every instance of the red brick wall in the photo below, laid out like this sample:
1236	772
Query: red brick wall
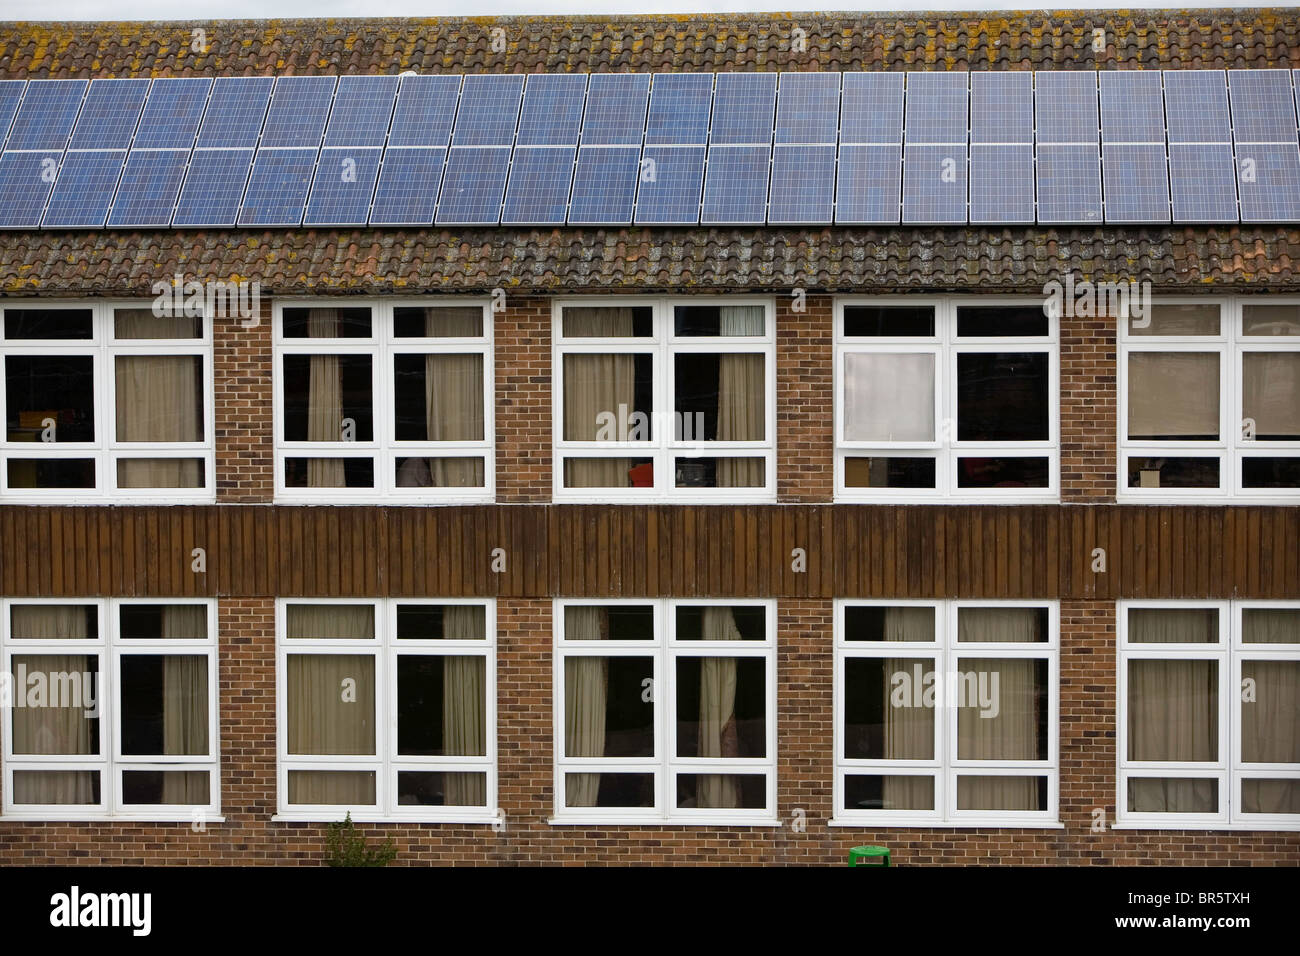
243	403
805	460
1089	406
522	343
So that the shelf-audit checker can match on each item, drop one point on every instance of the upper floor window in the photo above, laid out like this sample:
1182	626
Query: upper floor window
385	398
945	398
105	400
666	399
1210	400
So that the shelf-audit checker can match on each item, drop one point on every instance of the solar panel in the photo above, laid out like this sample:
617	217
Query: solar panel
1267	153
803	161
1068	160
11	92
936	109
46	116
109	114
172	113
25	182
808	108
1132	107
1202	183
615	114
1002	147
363	109
151	181
84	188
541	170
609	157
1263	108
235	113
872	109
934	151
474	178
740	149
425	111
214	186
277	188
1135	177
407	193
1196	106
489	110
299	108
343	186
869	181
679	109
1002	108
551	114
677	131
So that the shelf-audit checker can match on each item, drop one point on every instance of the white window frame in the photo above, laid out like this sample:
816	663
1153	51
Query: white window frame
104	347
663	447
386	763
384	450
1231	447
1227	768
945	767
109	648
665	765
946	449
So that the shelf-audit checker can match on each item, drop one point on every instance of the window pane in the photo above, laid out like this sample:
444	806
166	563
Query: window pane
61	473
719	397
50	398
890	320
143	324
1173	710
54	621
880	472
438	397
187	622
889	707
331	704
1173	795
460	472
329	472
166	787
609	790
889	396
608	322
1003	472
327	398
1002	709
609	622
721	707
163	701
1167	319
49	324
441	622
1270	625
1173	472
692	320
697	622
1173	395
438	321
1001	792
1257	472
889	623
56	787
1001	320
60	695
1270	394
316	622
327	323
606	710
421	788
1171	625
1002	396
608	397
332	787
160	472
722	790
1270	711
1260	795
1271	319
159	398
441	706
719	472
609	473
888	792
1021	625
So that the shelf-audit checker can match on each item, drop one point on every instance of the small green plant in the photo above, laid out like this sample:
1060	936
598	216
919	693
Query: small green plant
344	846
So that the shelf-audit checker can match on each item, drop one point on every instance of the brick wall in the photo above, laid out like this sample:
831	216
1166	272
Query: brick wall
522	343
805	460
243	403
1089	406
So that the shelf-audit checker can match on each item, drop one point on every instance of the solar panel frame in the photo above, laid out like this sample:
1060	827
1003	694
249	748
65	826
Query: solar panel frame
1132	107
679	109
299	111
869	163
1263	106
1265	144
1196	106
1067	153
172	113
488	113
473	186
737	170
109	114
425	111
936	160
1198	124
1274	193
615	112
670	181
1134	166
609	151
1002	108
803	158
807	109
24	188
744	106
871	109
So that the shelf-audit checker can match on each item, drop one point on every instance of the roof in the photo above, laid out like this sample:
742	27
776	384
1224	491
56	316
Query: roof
893	259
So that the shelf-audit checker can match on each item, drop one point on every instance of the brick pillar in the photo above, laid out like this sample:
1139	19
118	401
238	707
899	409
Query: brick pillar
1088	722
243	399
522	343
246	689
1089	406
805	400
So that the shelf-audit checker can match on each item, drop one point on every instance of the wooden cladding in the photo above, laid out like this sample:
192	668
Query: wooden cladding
663	550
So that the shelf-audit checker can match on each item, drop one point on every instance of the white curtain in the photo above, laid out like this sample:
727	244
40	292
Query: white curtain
586	690
596	384
888	396
464	710
740	398
1172	394
1270	392
717	728
324	401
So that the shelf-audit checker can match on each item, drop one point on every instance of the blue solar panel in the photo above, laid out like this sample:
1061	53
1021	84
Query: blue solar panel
1202	182
47	114
299	107
343	187
1069	183
214	186
1135	182
1196	106
1065	107
11	91
934	184
1002	109
235	113
808	108
1001	183
936	108
84	188
1268	177
363	108
538	192
803	184
735	185
872	109
679	109
1263	108
150	184
172	113
742	109
869	184
668	192
489	110
109	114
604	185
615	114
425	112
552	110
1132	107
407	193
277	188
25	183
473	185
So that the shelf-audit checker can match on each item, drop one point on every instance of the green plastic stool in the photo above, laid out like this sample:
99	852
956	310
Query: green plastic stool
859	854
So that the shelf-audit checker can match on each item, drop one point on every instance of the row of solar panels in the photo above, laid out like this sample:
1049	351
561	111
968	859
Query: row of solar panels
668	149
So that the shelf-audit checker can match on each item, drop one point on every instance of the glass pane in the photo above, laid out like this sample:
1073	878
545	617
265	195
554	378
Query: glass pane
331	787
879	472
1173	625
144	324
439	472
329	472
160	472
1002	396
1001	792
1173	472
159	398
441	706
173	622
317	622
889	706
609	707
730	320
1270	394
164	705
889	396
437	321
1261	795
608	397
1271	319
1003	709
56	787
56	704
609	622
1173	710
1173	395
438	397
609	473
719	472
1173	795
441	622
429	788
1270	711
49	324
719	397
327	398
327	323
60	473
330	703
890	320
722	791
1193	319
1003	472
53	621
698	622
1270	625
609	790
1001	320
721	707
50	398
1020	625
1259	472
166	787
608	322
872	623
888	792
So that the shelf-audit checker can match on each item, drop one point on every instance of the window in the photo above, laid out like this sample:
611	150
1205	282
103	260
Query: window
384	398
667	399
1209	714
945	398
387	709
140	743
665	710
1210	400
105	400
946	713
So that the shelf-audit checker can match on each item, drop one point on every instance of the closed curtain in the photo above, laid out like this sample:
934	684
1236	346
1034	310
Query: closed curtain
185	703
159	399
596	384
889	397
740	398
1270	392
324	401
453	397
909	730
586	690
464	710
717	728
1270	733
1173	394
52	730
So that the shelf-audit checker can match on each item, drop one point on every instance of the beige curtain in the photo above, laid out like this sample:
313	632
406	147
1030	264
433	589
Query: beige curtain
1267	625
594	384
342	622
586	689
464	711
143	324
453	399
1169	625
324	401
1270	733
909	731
185	703
321	722
159	399
1270	392
717	729
1171	394
740	398
48	621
